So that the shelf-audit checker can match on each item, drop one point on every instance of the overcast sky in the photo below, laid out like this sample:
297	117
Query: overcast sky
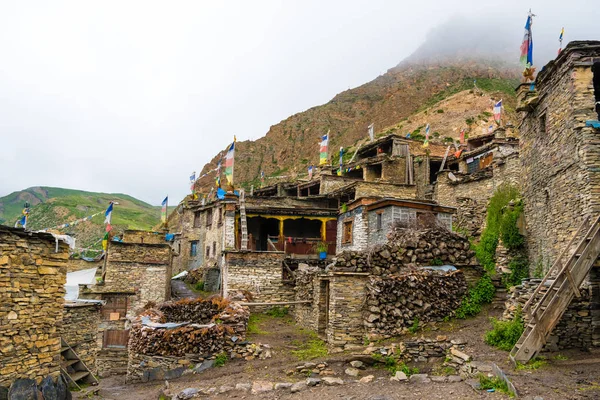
131	97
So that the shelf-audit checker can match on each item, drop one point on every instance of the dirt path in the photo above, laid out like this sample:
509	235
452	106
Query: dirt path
572	375
180	290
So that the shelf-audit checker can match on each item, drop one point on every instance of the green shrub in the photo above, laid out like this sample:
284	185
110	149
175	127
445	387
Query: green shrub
277	312
199	286
495	383
509	232
505	334
221	359
415	326
437	261
519	270
440	111
393	365
482	293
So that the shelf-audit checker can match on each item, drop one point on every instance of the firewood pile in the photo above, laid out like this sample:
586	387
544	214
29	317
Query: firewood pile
194	276
211	326
395	302
409	248
304	284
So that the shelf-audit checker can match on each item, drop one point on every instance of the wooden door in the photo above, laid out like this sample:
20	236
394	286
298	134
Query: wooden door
115	339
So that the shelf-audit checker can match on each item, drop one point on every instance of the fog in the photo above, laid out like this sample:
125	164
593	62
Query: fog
132	96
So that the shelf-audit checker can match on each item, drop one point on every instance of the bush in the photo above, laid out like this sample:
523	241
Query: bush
199	286
509	232
277	312
482	293
221	359
415	326
505	334
495	383
519	270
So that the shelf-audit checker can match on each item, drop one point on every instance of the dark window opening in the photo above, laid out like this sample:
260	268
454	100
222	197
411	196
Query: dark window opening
259	230
193	248
209	217
197	219
302	228
207	251
374	171
355	173
434	168
214	249
543	126
379	221
220	221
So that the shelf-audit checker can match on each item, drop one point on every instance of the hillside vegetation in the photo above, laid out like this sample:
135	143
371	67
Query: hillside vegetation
51	207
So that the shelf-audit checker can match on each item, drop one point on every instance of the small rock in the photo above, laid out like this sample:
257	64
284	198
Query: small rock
244	387
331	381
419	378
225	389
399	377
454	378
282	385
261	387
357	364
309	365
312	381
438	379
203	366
188	393
458	342
352	371
457	353
298	386
366	379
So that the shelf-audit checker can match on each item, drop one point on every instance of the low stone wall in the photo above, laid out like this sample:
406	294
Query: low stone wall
307	288
394	303
579	326
80	330
111	362
32	278
259	273
346	303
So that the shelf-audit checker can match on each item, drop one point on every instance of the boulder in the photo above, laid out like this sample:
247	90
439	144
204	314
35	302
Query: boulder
23	389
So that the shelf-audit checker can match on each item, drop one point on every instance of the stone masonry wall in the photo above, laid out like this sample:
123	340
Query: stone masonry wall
32	278
80	330
346	301
579	326
360	235
260	273
559	153
149	237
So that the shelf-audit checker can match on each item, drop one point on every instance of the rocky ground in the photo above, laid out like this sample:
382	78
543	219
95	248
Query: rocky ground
568	375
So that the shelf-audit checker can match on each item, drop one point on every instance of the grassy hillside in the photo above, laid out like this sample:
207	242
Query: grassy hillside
55	206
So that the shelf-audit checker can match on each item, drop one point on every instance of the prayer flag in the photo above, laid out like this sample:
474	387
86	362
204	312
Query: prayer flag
105	242
341	157
498	111
560	39
426	142
108	213
163	212
490	128
310	172
462	135
372	132
323	149
192	181
229	158
527	45
218	178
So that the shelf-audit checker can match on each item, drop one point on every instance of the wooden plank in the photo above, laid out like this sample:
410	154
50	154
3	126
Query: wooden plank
276	303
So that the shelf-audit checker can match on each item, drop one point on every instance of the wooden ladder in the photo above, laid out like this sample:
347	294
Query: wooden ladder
554	294
73	369
243	221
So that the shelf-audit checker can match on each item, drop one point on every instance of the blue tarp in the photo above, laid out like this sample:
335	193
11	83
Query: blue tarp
220	194
169	237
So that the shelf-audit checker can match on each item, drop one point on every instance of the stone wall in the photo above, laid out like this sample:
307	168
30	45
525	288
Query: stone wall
395	302
259	273
308	287
360	235
559	153
346	300
374	189
579	326
76	264
32	278
80	330
148	237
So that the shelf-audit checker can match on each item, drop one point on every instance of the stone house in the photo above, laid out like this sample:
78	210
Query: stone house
32	274
368	221
135	275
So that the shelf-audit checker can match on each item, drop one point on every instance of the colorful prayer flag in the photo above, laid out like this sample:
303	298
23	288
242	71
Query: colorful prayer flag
229	158
341	157
108	213
163	212
462	135
310	172
426	142
323	149
372	132
105	242
527	45
498	111
490	128
262	178
218	178
192	181
560	39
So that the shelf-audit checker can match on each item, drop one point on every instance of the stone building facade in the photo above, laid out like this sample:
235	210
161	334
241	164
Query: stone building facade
32	278
560	154
80	330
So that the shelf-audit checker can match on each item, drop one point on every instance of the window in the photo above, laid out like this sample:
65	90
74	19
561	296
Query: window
209	218
214	249
207	251
347	232
379	221
193	248
197	217
115	307
178	248
220	220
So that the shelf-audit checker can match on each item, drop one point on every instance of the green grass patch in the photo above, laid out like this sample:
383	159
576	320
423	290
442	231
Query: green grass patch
486	383
221	359
533	364
254	323
482	293
278	312
310	349
560	357
393	365
505	334
414	328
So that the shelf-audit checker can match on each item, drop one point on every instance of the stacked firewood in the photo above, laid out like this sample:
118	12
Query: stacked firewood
210	327
397	302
